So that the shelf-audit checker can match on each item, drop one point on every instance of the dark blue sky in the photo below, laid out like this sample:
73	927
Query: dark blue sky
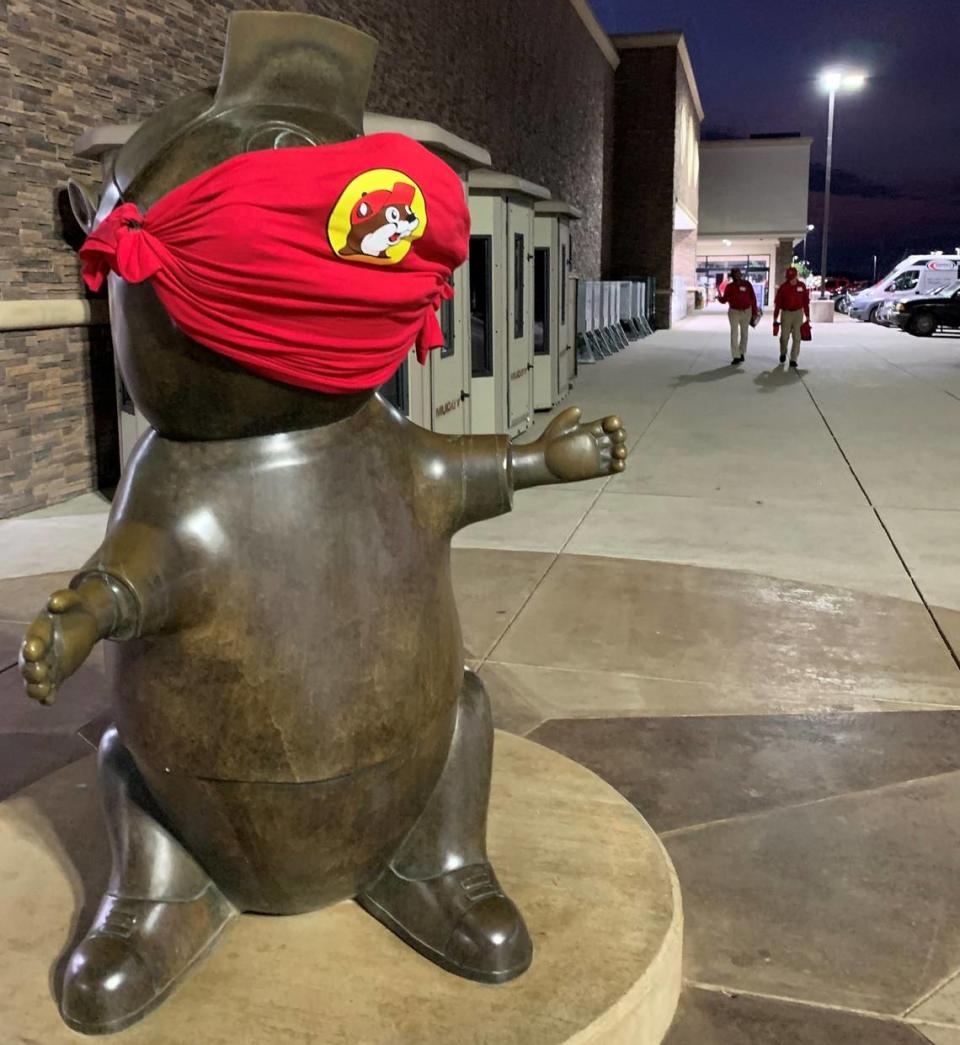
896	143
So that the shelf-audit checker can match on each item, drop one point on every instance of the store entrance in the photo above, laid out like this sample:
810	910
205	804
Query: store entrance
712	270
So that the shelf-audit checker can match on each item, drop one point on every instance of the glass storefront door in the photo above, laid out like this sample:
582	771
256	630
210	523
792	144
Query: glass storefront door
713	269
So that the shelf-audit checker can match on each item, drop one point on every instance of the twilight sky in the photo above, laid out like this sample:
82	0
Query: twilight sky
896	157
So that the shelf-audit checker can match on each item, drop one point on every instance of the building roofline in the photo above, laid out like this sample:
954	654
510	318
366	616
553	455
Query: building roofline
496	182
749	234
670	38
745	143
429	134
555	207
600	38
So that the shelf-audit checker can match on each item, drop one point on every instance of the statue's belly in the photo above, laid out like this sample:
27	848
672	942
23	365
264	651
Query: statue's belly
314	631
296	678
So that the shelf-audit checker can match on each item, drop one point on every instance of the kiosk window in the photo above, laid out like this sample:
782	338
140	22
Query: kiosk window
541	301
446	326
519	264
481	305
563	283
395	390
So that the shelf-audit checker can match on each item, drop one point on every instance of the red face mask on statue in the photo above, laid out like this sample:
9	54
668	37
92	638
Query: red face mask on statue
319	267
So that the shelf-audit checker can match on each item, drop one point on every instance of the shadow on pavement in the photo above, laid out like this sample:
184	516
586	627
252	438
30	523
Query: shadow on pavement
703	376
779	377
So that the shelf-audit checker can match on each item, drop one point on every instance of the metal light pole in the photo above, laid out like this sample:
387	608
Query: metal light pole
826	195
874	268
833	81
809	230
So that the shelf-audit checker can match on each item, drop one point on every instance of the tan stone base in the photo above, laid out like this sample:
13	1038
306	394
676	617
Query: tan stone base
821	310
595	885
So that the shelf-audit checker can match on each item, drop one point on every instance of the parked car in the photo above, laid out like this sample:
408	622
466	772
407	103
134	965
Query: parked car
925	315
916	276
841	303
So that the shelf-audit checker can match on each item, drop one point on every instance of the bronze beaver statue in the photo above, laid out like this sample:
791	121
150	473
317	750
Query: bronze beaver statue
294	724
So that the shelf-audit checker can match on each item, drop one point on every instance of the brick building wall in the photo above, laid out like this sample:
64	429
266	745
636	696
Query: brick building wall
685	256
686	186
522	77
644	131
687	130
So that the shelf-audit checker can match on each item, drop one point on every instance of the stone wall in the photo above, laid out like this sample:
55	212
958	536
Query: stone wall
522	77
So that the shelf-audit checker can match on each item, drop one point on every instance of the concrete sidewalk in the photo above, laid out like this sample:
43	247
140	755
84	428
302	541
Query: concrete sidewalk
794	474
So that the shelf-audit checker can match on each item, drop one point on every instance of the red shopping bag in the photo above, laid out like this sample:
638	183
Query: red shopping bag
805	334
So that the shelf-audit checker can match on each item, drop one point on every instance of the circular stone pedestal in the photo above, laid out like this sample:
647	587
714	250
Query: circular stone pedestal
595	886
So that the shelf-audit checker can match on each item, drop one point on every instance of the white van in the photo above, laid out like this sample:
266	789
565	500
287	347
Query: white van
917	275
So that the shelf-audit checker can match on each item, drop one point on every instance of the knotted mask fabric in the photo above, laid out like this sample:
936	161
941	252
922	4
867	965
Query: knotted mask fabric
319	267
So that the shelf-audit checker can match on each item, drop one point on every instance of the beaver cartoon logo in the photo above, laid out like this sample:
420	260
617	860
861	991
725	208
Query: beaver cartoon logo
377	218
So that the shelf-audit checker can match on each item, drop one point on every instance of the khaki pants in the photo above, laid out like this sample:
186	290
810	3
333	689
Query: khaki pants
790	323
739	330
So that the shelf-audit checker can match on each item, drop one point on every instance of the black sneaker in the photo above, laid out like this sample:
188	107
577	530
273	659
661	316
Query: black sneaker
793	363
737	361
783	357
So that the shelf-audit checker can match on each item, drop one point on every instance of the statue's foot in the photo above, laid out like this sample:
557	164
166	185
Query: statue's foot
134	955
462	920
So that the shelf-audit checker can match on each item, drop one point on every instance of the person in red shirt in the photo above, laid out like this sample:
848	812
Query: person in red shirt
739	295
791	307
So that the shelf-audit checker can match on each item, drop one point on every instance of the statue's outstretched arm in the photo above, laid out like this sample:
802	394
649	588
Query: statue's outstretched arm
486	469
96	606
570	450
132	586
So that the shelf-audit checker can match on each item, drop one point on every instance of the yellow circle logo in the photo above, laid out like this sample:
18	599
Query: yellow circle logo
377	218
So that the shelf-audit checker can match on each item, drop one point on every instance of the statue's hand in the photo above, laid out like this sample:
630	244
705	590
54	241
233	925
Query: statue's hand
573	450
57	643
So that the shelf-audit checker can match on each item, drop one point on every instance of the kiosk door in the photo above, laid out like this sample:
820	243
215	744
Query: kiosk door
418	390
545	295
568	355
565	332
520	256
553	373
450	365
488	313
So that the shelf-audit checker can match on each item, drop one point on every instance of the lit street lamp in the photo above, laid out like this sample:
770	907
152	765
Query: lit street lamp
832	81
809	229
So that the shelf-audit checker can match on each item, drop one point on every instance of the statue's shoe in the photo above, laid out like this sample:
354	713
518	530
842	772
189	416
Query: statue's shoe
462	920
134	955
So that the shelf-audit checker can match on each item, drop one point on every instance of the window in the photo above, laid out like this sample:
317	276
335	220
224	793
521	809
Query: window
395	390
446	326
519	267
563	283
481	306
906	280
541	301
